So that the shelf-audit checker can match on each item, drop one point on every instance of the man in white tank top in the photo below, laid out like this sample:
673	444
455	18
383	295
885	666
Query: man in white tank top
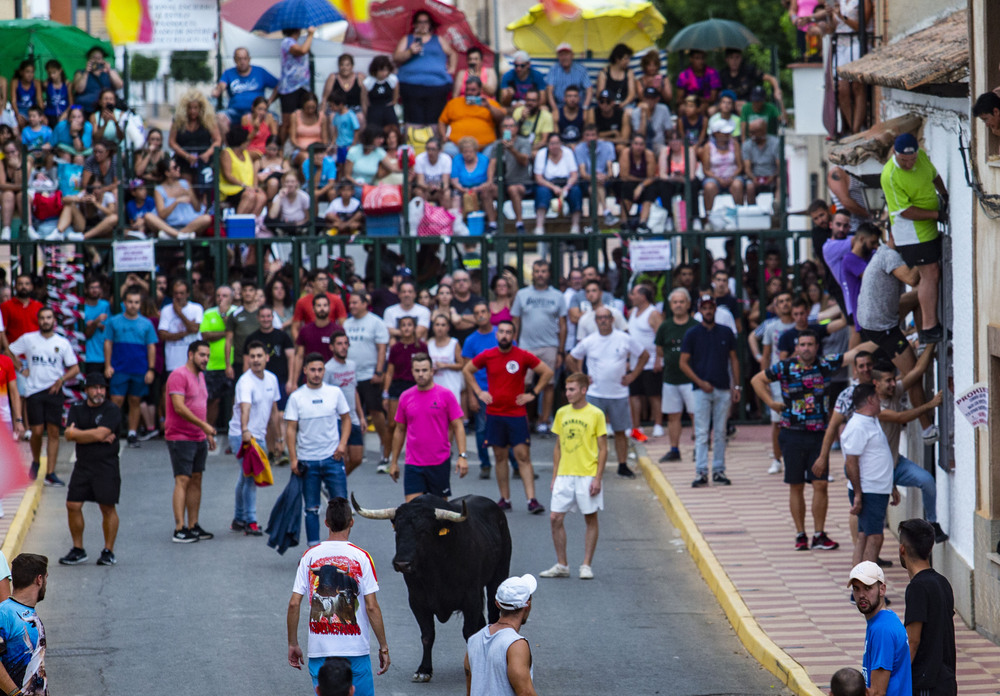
643	321
498	657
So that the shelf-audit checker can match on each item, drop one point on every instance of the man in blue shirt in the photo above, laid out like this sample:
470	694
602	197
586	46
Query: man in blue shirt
886	662
605	156
22	636
563	75
96	311
708	358
483	338
129	360
517	82
243	84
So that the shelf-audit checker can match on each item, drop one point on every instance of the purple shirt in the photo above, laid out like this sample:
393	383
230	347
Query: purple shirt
400	356
701	86
315	339
834	251
852	267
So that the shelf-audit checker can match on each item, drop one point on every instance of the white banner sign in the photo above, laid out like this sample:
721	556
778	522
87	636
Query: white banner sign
651	256
134	257
182	25
974	403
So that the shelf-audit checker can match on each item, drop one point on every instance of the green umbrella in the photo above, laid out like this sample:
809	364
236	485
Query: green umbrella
712	34
43	40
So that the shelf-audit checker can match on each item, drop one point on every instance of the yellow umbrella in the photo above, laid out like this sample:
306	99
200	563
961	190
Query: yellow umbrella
600	25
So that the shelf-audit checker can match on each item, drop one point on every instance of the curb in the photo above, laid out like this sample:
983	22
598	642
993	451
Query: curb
23	518
758	644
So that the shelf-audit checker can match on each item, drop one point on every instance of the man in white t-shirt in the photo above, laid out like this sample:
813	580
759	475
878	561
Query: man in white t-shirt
49	362
587	324
344	215
342	372
180	325
255	404
607	353
340	582
369	341
407	307
315	416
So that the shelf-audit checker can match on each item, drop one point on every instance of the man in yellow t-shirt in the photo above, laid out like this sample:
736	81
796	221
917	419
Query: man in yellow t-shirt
577	469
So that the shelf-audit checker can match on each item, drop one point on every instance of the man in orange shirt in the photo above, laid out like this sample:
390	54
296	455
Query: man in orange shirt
475	115
319	281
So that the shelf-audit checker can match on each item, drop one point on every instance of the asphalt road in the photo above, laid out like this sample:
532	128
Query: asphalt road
209	618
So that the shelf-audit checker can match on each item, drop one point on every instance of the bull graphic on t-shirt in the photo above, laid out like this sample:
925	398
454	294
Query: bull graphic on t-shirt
336	595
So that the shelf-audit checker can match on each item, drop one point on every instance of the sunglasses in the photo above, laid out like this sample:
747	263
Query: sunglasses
521	65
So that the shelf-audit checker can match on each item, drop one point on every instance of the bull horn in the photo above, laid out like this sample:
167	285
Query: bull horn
450	515
383	514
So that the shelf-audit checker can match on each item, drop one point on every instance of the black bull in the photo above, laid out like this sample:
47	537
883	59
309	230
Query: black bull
448	553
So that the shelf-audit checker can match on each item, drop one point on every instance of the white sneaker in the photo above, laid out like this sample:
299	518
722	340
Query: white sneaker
74	236
541	428
657	431
557	571
135	234
32	233
775	467
539	230
186	235
54	236
931	434
5	234
586	572
574	229
163	234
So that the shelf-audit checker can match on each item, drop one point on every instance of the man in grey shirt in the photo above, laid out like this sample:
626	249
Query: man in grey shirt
369	339
881	305
539	313
652	119
761	159
605	156
516	167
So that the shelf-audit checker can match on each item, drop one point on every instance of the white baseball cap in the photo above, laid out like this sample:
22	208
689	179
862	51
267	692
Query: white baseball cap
564	46
866	572
515	592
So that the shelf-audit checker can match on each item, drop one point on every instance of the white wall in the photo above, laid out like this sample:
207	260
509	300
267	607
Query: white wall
944	120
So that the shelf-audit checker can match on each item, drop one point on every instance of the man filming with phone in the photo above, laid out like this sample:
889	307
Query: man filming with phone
94	79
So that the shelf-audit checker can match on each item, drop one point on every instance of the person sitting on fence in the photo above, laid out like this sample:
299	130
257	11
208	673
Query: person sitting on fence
260	126
473	115
432	174
637	182
475	68
344	216
245	84
517	181
761	160
472	188
556	174
289	210
238	175
605	155
97	76
177	205
722	164
699	79
519	80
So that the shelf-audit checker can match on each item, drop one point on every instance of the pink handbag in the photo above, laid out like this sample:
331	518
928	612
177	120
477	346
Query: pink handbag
437	222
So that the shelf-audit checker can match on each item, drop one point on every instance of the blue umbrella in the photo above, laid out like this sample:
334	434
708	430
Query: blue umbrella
297	14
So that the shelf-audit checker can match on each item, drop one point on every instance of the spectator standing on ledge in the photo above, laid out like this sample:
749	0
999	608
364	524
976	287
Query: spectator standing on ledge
911	186
886	661
426	63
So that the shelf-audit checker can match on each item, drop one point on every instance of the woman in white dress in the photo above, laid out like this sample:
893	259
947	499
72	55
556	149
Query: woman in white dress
446	354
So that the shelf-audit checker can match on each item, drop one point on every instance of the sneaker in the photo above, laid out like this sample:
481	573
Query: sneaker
700	481
133	441
821	542
283	460
638	435
625	472
184	536
775	467
535	507
33	471
504	505
135	234
574	229
883	563
932	335
484	473
539	230
76	556
383	467
611	220
5	234
721	479
201	533
931	434
149	435
74	236
53	480
657	431
519	228
107	558
253	529
542	428
730	429
586	572
801	542
556	571
237	526
491	227
939	534
674	455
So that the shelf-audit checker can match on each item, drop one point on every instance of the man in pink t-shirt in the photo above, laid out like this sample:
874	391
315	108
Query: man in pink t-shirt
427	417
189	437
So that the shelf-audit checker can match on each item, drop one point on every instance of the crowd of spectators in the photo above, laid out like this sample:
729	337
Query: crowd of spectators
414	115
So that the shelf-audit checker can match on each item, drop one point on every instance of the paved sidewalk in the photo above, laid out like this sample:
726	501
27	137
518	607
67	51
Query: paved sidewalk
799	599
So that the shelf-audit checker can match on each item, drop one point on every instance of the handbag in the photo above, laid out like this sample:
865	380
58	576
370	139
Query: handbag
382	199
436	222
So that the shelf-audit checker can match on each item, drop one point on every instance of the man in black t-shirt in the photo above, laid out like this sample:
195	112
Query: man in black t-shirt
930	613
93	425
464	300
280	351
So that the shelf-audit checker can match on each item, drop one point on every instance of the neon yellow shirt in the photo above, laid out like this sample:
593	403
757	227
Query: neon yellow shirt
904	188
578	430
213	321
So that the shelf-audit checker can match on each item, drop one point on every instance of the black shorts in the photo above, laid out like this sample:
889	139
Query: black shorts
98	483
921	254
293	100
371	396
800	449
890	343
435	479
45	409
649	383
187	456
626	191
235	198
217	384
399	386
423	104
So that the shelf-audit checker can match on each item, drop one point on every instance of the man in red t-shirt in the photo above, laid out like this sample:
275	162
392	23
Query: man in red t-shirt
319	281
506	418
20	313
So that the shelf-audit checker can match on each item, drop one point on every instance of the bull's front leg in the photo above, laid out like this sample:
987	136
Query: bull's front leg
425	620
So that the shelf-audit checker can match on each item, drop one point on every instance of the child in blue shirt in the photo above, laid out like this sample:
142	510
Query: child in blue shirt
37	135
345	123
137	208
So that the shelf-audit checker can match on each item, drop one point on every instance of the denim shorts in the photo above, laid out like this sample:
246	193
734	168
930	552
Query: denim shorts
123	384
871	521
